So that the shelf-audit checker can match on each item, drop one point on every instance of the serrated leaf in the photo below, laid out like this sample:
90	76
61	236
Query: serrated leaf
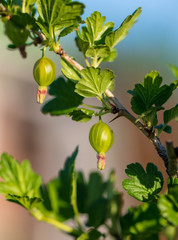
99	51
95	30
82	45
143	222
24	201
61	14
170	114
70	72
43	29
112	56
81	115
65	99
168	206
94	82
18	179
114	37
150	93
68	30
143	185
58	192
91	234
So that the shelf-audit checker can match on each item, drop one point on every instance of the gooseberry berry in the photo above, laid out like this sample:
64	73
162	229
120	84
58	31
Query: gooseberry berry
101	138
44	72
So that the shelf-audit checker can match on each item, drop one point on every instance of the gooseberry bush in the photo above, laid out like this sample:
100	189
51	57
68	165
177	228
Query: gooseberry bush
69	196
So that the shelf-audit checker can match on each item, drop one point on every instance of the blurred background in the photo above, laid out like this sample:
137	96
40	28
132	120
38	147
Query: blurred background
46	141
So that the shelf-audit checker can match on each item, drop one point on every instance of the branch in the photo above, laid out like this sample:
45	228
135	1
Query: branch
172	159
122	111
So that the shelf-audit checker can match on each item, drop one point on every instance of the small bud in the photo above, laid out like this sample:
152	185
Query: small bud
41	94
101	161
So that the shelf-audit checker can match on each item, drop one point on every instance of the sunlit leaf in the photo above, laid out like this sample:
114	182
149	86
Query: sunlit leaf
94	82
143	185
81	115
114	37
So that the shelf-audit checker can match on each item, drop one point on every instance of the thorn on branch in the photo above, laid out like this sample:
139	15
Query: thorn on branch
22	51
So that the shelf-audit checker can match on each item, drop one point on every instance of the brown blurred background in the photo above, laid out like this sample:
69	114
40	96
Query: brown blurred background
46	141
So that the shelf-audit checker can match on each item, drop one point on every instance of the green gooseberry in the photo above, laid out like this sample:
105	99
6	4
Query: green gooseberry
101	138
44	72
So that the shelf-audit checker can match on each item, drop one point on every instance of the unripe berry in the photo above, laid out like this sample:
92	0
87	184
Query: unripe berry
44	72
101	138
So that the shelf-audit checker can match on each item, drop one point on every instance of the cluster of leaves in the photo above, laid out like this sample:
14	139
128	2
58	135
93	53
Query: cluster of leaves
148	98
69	195
55	19
97	39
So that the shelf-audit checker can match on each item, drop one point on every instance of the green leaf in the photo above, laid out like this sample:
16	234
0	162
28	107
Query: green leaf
170	114
17	34
82	45
97	203
168	206
94	82
143	185
95	30
81	115
30	2
162	127
65	99
24	201
99	51
58	192
98	212
43	29
112	56
150	94
114	37
11	46
20	183
143	222
82	193
98	199
69	71
63	12
62	15
68	30
174	70
91	234
173	187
